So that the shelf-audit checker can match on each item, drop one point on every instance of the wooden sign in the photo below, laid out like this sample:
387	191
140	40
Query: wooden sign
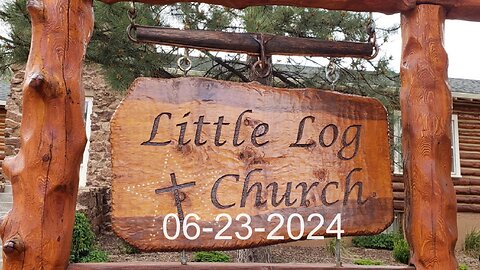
204	164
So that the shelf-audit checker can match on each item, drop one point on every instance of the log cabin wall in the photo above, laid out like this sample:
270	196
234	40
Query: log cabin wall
468	186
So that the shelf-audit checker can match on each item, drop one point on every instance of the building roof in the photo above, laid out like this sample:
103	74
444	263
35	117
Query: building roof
4	91
465	86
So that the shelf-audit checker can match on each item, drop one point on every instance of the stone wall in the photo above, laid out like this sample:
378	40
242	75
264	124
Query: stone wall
14	113
94	199
105	101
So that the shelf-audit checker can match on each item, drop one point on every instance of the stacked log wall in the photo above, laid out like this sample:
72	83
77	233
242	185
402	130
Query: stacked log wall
467	187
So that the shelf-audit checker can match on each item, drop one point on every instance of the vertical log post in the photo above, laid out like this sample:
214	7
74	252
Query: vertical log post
37	232
426	103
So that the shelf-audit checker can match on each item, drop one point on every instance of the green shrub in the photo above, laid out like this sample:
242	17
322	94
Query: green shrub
379	241
210	256
401	251
83	242
129	249
367	262
472	243
95	255
462	266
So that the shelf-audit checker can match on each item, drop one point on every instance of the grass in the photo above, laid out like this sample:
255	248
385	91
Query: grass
472	243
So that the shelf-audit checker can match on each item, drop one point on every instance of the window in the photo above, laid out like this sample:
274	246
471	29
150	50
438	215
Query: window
397	146
88	123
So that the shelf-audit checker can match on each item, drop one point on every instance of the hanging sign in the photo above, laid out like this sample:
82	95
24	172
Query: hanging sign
204	164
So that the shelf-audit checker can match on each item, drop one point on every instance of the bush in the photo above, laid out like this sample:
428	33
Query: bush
472	243
95	255
367	262
83	242
129	249
462	267
210	256
379	241
401	251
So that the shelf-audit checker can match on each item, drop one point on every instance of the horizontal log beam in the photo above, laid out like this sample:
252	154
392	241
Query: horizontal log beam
383	6
247	43
456	9
468	208
461	208
459	9
225	266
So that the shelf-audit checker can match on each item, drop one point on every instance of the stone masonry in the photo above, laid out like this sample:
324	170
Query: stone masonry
94	199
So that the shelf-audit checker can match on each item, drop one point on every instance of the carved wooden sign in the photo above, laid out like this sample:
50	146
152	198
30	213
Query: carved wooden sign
204	164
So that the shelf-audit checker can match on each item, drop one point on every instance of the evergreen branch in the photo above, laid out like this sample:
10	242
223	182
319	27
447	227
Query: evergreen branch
219	61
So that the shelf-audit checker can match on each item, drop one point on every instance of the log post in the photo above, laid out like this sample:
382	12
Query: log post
426	103
37	232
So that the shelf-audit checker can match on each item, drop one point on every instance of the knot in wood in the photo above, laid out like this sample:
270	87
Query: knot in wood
36	80
46	158
12	246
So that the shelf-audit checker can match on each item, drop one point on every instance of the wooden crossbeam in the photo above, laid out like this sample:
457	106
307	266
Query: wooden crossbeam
246	43
456	9
226	266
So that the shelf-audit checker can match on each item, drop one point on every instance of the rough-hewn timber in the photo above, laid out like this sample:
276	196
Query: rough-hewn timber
426	103
37	232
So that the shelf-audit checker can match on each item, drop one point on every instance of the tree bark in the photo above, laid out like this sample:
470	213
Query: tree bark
456	9
37	232
426	103
245	43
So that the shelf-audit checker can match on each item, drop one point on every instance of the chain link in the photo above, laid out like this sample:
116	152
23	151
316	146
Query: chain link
372	36
132	27
331	73
184	63
262	68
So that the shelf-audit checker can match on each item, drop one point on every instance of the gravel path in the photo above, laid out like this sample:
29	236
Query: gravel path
282	253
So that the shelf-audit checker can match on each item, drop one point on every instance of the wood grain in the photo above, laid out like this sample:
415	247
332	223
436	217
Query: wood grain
456	9
246	43
226	266
384	6
37	232
143	161
426	103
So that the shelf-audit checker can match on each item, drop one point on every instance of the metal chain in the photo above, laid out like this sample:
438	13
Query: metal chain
372	36
132	27
262	68
331	73
184	63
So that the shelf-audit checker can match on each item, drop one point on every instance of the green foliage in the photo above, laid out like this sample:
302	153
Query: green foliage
129	249
83	242
379	241
472	243
123	61
367	262
210	256
95	255
462	266
401	251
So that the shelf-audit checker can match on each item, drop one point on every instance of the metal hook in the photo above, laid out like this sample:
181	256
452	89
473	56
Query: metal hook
372	37
131	32
262	68
184	63
131	29
331	73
